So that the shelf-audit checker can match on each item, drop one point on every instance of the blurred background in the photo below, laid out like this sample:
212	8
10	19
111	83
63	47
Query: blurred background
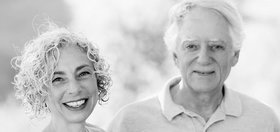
129	34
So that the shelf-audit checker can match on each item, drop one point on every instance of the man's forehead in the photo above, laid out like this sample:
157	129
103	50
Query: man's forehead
197	39
203	13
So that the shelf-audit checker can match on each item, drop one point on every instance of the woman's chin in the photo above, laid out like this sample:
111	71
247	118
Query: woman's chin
78	113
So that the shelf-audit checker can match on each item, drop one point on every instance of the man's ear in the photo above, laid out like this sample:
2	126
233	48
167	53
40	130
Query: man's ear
175	58
235	57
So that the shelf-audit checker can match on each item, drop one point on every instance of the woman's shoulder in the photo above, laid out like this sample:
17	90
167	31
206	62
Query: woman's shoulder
93	128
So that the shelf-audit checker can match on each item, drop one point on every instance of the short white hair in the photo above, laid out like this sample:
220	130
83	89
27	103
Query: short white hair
223	7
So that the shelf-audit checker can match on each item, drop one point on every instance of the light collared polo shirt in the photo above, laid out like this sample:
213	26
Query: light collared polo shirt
93	128
236	113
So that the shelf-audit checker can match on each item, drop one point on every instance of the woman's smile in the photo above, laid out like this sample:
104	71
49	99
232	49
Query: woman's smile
76	105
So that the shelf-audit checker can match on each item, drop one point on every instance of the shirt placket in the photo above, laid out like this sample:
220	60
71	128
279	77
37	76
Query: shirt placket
197	121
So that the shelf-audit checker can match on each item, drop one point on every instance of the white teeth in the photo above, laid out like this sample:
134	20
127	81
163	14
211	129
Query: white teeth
76	104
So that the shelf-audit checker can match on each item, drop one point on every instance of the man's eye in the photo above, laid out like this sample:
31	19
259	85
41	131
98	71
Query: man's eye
191	45
217	47
57	80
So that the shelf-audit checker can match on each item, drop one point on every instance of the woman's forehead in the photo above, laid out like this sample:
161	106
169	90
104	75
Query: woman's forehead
72	57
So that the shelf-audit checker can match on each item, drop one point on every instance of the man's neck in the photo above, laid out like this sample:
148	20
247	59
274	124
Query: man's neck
204	104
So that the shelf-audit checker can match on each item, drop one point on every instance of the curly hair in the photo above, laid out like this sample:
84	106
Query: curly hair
38	60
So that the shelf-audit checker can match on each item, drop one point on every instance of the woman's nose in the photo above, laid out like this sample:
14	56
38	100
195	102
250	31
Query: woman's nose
74	87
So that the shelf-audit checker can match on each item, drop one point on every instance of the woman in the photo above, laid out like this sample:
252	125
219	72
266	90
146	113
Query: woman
63	74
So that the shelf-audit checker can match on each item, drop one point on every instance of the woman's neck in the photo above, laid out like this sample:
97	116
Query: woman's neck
60	125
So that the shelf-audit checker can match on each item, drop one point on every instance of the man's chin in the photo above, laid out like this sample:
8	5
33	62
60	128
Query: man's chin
204	88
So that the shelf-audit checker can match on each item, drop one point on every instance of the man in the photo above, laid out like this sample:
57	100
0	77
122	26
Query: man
204	37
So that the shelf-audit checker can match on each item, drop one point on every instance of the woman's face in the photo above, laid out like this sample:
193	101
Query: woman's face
73	94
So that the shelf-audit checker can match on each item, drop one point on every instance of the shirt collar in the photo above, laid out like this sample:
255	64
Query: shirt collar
231	104
168	107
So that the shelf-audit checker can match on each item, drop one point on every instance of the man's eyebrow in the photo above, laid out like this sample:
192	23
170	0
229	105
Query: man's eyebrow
217	40
189	39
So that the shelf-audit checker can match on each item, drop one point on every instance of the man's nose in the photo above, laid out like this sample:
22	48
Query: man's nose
203	56
74	87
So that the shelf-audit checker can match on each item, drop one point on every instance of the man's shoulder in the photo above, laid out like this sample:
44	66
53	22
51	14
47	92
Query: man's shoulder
136	115
256	111
145	106
253	106
250	101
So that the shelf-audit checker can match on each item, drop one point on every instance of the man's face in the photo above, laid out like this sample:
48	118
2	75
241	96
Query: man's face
204	52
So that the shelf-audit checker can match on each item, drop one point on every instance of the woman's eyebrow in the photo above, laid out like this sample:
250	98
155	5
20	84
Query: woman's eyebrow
82	66
58	73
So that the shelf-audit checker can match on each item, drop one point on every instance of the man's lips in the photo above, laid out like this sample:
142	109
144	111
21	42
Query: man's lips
204	73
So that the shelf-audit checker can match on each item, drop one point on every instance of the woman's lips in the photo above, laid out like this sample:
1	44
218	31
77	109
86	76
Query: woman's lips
76	105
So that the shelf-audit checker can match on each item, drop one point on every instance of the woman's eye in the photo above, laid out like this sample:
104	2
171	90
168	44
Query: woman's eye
84	74
57	80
